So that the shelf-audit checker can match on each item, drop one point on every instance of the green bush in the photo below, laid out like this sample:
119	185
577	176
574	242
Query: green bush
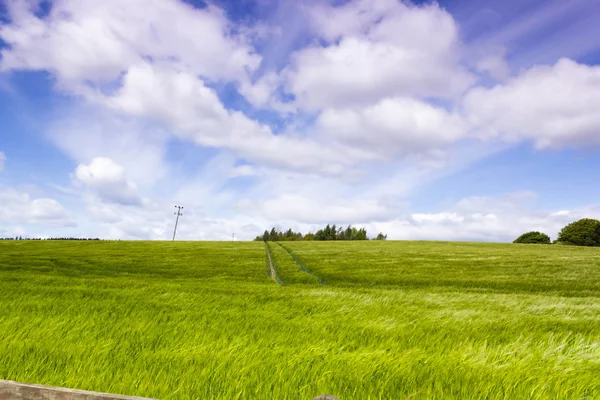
381	236
585	232
533	238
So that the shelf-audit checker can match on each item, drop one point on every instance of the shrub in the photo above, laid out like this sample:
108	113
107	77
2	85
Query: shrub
585	232
533	238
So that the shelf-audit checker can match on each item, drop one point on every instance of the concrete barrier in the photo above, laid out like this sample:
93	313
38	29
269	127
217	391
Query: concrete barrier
10	390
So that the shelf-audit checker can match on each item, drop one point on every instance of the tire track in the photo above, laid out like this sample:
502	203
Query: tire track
302	266
272	268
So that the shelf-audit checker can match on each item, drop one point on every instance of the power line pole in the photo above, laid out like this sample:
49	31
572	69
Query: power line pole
233	237
178	213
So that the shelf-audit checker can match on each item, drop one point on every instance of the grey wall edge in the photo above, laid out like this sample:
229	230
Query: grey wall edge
10	390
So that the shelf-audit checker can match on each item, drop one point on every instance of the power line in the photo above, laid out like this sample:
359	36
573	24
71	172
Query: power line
178	213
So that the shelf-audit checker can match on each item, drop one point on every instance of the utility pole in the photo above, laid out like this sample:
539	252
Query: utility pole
233	237
178	213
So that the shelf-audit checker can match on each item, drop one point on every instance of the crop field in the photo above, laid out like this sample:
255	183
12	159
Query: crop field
359	320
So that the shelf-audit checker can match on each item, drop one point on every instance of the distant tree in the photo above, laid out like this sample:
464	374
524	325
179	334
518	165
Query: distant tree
334	233
262	238
323	234
330	232
273	235
381	236
533	238
362	234
327	232
348	233
585	232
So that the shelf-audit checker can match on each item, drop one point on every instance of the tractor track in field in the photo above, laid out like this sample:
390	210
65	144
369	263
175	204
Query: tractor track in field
299	263
272	268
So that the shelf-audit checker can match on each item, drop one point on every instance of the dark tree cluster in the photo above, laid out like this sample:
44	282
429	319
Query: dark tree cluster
277	236
585	232
533	238
330	232
335	233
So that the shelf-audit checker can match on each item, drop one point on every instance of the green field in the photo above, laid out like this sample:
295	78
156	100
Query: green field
360	320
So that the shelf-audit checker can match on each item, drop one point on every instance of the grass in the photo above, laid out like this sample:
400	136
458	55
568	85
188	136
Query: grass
393	320
289	271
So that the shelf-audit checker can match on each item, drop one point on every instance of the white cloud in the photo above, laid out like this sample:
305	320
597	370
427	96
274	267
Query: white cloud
377	49
107	180
297	208
154	220
552	106
263	93
449	217
497	219
288	198
243	171
262	90
394	127
178	98
138	146
18	207
194	112
153	77
117	221
495	65
93	42
13	232
47	210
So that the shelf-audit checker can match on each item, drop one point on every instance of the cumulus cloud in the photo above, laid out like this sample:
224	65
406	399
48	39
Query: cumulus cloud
377	49
263	93
394	127
370	81
47	210
494	65
194	112
552	106
178	98
107	180
84	133
91	42
129	58
18	207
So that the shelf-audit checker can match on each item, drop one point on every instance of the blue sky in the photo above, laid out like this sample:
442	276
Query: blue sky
457	120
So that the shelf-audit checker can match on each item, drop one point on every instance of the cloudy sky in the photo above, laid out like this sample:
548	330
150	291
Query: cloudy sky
457	120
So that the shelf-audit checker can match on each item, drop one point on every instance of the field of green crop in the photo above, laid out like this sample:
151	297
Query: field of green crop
360	320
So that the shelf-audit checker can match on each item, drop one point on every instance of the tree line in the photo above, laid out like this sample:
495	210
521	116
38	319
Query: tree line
585	232
330	232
